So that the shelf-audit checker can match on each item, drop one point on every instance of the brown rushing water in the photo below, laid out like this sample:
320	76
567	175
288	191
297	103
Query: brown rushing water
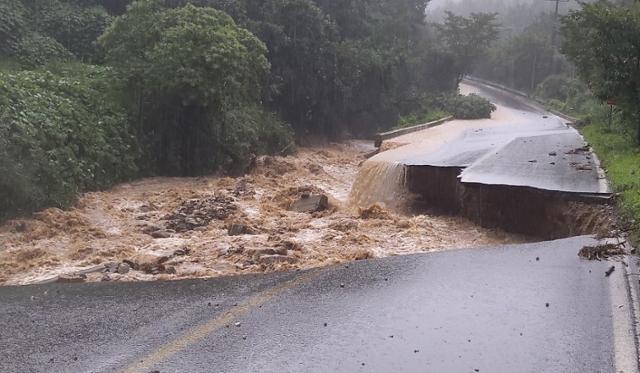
109	227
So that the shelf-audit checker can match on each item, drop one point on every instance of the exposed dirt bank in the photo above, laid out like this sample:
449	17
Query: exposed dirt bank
171	228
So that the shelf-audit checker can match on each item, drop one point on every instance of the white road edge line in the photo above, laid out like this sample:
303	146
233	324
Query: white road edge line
624	311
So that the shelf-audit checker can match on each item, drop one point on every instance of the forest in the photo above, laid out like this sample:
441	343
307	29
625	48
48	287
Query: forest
97	92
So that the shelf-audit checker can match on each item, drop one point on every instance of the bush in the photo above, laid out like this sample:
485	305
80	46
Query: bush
191	73
469	107
36	50
75	26
60	134
13	20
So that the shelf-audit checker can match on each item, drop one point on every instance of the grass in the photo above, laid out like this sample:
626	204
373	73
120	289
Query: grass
620	156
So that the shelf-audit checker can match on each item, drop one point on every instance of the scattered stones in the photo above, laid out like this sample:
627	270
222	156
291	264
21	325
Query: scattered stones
123	268
200	212
601	252
553	154
309	203
546	305
237	324
582	150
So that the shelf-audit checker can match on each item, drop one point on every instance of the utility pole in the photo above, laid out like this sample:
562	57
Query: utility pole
555	20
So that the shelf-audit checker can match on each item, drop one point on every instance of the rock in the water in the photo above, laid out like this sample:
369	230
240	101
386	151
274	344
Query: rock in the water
311	203
123	268
238	229
160	234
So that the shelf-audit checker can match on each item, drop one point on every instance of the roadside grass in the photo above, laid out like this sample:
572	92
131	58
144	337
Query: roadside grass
620	156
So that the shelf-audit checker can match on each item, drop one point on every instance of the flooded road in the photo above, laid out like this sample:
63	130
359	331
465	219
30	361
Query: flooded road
174	228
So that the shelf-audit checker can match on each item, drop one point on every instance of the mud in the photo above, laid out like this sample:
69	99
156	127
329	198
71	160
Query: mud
173	228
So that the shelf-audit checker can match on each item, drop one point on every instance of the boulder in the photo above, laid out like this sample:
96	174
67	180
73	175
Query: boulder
309	203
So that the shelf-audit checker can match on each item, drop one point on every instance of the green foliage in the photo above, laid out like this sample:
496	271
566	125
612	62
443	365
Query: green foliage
36	50
13	21
469	107
60	134
603	40
73	25
252	131
621	157
189	70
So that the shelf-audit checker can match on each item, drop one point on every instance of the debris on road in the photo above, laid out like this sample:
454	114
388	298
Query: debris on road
601	252
609	271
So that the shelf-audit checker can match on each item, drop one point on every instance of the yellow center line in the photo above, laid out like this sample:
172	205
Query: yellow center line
198	333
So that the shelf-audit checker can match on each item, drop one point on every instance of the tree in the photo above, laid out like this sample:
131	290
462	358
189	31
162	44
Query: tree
468	38
603	41
187	69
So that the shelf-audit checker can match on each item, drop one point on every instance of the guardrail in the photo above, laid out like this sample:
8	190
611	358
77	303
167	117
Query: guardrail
380	137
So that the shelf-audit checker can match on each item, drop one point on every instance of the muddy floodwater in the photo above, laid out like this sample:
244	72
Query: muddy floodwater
173	228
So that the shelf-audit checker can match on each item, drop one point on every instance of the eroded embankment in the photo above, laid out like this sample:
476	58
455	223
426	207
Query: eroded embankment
539	213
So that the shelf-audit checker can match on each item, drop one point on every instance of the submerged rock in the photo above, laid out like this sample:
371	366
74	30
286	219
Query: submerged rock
311	203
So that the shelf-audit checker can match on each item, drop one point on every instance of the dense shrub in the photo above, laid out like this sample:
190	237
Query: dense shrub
469	107
13	21
561	87
73	25
60	134
191	72
36	50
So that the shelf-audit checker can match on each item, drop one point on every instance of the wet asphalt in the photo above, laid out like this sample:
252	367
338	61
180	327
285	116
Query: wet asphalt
519	308
531	148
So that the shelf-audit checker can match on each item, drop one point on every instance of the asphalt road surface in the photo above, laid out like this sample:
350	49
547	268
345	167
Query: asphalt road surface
523	145
522	308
